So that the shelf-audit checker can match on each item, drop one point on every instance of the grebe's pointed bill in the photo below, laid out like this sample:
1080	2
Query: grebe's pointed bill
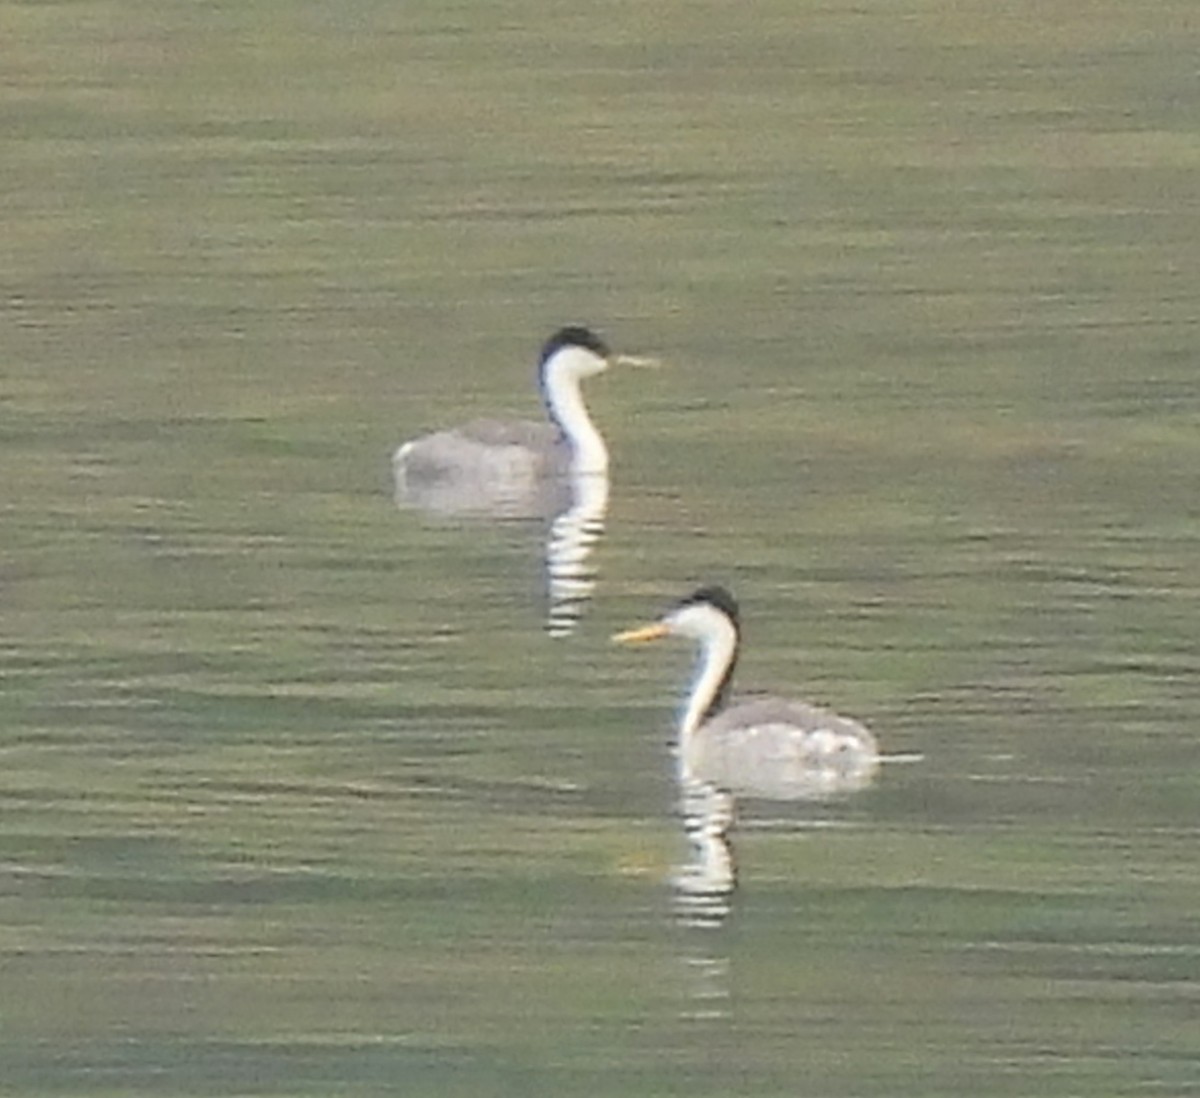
644	362
643	634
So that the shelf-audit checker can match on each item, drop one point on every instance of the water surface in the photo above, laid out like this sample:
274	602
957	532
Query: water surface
297	794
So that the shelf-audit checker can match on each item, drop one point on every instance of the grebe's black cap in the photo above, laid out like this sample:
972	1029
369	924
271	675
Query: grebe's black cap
716	596
575	336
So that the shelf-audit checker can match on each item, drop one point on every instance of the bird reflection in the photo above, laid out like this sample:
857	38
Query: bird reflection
574	533
570	536
708	986
704	884
702	891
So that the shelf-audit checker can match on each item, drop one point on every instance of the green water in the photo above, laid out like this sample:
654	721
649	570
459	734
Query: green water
296	796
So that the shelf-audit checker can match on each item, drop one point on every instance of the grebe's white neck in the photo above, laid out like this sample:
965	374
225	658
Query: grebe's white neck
718	639
561	377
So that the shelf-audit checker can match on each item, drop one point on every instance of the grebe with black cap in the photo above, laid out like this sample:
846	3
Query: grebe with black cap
516	468
769	747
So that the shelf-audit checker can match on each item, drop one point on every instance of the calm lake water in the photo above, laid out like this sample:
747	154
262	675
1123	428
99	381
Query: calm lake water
297	794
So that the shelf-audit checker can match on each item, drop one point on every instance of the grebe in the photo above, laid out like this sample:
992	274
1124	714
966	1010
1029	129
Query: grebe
769	747
516	468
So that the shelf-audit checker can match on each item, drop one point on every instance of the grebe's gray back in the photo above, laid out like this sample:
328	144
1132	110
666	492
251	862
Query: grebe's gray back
767	747
516	468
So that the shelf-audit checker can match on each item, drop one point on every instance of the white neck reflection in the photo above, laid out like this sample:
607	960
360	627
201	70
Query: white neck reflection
570	574
704	885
